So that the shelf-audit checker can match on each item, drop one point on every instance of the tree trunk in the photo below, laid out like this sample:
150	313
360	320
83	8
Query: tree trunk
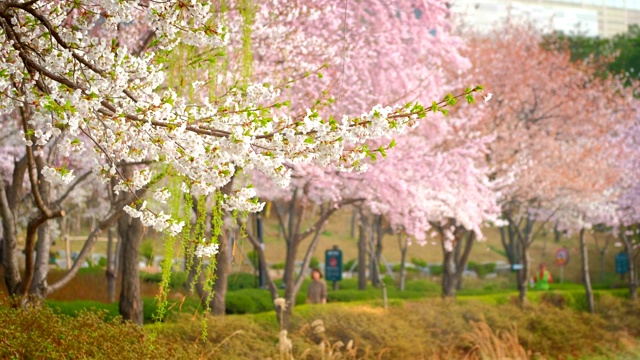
41	266
628	246
455	262
585	272
11	272
363	228
523	278
112	266
223	262
448	273
38	288
379	234
131	231
403	260
288	279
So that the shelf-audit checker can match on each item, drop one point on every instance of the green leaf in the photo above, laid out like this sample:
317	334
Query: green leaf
470	99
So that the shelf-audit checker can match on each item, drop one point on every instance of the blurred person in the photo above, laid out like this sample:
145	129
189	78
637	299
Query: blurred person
317	293
543	278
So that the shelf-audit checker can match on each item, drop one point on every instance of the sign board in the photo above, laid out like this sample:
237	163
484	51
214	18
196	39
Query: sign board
622	263
562	257
333	264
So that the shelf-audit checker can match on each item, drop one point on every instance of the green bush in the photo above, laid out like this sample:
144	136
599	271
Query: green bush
419	263
241	280
347	265
253	258
71	308
481	269
428	287
178	278
278	266
314	263
102	262
40	334
436	270
248	301
146	251
396	269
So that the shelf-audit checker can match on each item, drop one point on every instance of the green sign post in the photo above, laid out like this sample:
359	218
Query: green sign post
333	266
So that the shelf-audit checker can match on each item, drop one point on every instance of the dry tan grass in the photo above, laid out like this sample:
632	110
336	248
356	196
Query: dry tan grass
488	345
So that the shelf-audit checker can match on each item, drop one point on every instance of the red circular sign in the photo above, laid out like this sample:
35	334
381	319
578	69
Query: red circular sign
333	261
562	257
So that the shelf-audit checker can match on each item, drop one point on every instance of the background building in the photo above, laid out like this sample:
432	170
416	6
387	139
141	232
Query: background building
603	18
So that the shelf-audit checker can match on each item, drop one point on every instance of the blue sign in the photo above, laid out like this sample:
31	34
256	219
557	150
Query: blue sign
622	263
333	264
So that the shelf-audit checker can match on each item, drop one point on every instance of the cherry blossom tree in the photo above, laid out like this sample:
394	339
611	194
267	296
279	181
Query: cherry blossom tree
346	44
555	126
71	81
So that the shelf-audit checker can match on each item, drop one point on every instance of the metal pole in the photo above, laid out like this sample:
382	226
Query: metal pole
561	273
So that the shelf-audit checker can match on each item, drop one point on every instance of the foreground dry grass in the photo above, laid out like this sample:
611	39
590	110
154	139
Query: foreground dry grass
432	329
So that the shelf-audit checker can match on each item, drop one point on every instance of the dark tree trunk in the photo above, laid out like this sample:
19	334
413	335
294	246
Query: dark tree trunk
633	281
289	279
131	232
363	229
523	276
448	274
454	262
403	261
556	234
374	244
602	252
585	272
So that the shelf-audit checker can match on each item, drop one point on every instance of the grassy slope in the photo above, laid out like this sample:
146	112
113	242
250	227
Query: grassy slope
338	229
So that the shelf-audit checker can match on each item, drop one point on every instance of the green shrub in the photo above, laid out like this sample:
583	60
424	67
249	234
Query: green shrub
278	266
248	301
177	281
409	269
253	258
347	265
40	334
102	262
146	251
241	280
314	263
71	308
436	270
419	263
422	286
481	269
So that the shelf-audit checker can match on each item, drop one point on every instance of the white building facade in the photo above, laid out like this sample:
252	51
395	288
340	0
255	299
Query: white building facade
603	18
